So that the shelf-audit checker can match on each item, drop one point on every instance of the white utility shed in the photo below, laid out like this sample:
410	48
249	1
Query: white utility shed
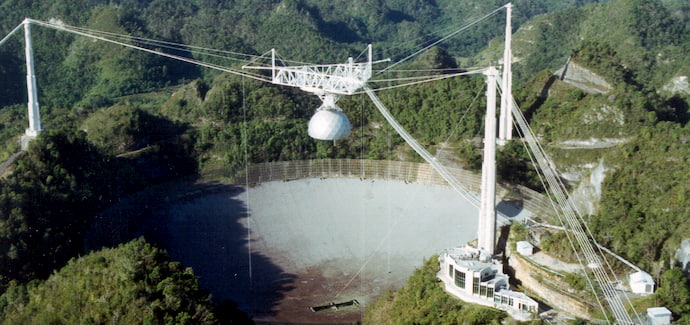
641	282
524	248
659	316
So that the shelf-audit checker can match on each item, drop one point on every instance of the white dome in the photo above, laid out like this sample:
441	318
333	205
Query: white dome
329	125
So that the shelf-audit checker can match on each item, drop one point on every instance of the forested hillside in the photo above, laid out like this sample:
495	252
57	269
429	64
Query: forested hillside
90	73
644	207
120	120
134	283
651	38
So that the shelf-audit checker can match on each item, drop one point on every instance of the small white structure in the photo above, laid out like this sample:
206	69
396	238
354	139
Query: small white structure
641	282
524	248
659	316
473	276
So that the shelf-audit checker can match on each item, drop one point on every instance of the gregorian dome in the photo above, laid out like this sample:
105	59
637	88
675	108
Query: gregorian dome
329	122
329	125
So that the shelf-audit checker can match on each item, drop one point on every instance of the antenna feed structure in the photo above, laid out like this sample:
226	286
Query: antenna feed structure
329	122
329	82
322	80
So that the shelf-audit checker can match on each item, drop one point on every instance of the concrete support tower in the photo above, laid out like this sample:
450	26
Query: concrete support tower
34	115
505	130
487	209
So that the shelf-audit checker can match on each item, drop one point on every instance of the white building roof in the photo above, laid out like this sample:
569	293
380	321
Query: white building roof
475	266
514	294
470	258
658	312
641	277
524	247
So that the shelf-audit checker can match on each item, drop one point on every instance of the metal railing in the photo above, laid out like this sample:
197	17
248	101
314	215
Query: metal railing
422	173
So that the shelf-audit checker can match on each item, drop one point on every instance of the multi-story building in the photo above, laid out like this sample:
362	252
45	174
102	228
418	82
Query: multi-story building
473	276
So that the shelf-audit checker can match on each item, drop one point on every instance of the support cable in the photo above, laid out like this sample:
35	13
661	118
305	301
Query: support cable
245	140
557	212
421	151
429	158
560	208
566	212
444	38
432	77
172	56
143	40
441	77
11	33
570	216
589	237
462	118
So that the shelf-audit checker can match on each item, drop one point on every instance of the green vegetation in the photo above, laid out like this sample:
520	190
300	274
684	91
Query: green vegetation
46	204
559	111
650	36
232	113
645	201
134	283
122	128
147	119
644	205
674	292
513	166
12	121
422	301
76	70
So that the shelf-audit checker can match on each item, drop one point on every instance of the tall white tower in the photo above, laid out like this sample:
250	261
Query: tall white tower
34	115
487	208
505	130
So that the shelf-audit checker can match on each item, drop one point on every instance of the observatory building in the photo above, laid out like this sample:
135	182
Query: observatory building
474	276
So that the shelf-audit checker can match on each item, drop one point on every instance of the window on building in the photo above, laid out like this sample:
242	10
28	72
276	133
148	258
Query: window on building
460	279
490	292
475	285
510	301
450	270
482	290
497	300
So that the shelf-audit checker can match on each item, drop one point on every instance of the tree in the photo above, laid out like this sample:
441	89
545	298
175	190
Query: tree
48	201
422	301
135	283
674	291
